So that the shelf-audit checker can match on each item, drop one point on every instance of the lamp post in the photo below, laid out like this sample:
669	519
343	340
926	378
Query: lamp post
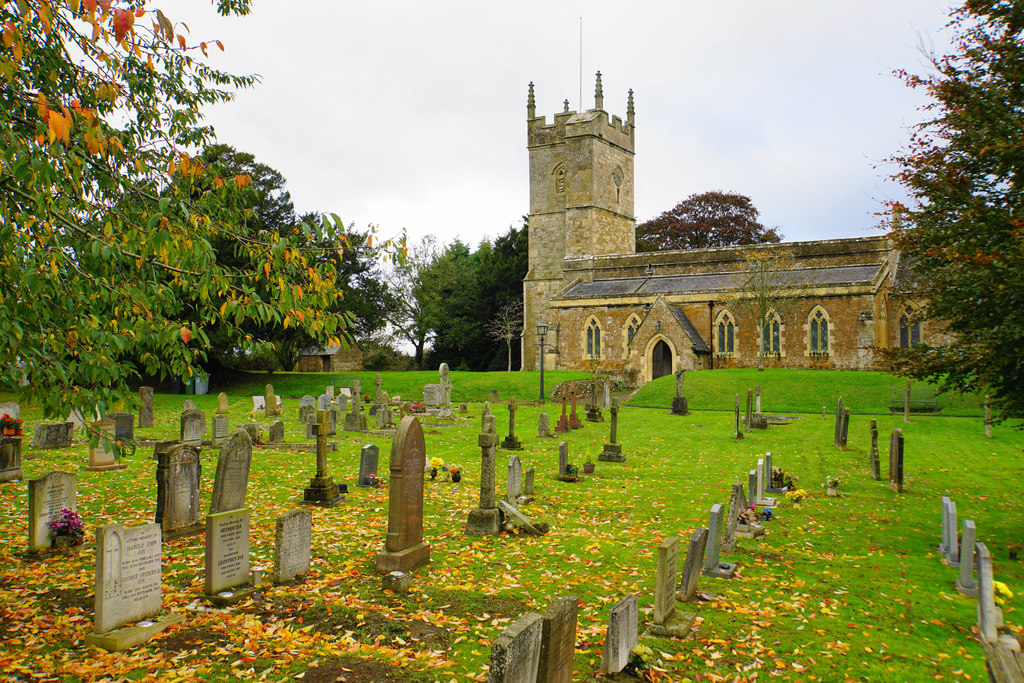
542	330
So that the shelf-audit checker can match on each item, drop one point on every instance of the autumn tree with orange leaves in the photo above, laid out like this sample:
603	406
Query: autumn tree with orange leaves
107	217
963	234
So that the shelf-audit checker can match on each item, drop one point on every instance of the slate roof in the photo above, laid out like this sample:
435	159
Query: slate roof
698	343
705	282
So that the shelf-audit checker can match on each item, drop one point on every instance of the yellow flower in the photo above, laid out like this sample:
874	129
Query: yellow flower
437	462
1002	592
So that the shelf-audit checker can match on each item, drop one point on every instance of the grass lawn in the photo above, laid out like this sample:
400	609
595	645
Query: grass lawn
847	588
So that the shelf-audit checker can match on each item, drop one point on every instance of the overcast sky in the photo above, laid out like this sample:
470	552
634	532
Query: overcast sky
413	114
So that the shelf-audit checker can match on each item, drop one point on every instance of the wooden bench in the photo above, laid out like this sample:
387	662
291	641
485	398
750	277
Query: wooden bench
922	400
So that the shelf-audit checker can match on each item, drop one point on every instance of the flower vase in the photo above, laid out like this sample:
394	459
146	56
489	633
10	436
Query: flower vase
588	468
433	473
832	491
9	431
456	477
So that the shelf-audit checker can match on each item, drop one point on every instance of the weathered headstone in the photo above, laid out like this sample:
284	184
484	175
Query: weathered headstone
385	418
494	396
876	470
322	490
231	482
432	394
737	433
276	432
368	456
220	428
563	457
189	404
252	429
12	409
178	503
667	621
839	422
378	391
323	402
514	480
484	414
749	416
511	443
355	421
103	456
292	544
574	419
128	564
528	480
612	451
124	426
446	393
562	426
952	545
543	425
594	410
679	405
607	402
757	398
622	635
965	582
988	419
223	405
737	503
558	641
269	401
307	408
405	548
227	550
259	404
50	435
896	460
844	429
485	520
193	426
712	565
145	407
989	616
47	496
694	564
515	654
761	498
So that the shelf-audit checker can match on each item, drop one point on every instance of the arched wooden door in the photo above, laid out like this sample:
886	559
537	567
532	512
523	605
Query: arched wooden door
661	360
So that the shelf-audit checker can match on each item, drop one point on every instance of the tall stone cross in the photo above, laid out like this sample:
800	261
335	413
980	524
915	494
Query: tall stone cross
269	401
378	394
680	376
446	392
512	417
357	398
321	445
615	421
488	441
593	391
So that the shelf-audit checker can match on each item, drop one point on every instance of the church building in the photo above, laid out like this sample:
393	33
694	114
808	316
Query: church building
646	314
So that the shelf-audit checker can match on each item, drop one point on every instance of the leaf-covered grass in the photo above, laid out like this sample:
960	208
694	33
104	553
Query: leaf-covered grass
841	587
796	391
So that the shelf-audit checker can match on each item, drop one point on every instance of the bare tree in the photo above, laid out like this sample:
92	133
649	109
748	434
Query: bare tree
767	288
507	325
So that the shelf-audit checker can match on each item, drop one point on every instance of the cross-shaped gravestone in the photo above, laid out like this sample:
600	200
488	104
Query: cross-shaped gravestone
562	426
574	420
484	519
322	490
511	443
613	450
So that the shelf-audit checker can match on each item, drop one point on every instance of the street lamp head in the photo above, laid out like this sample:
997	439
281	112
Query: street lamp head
542	329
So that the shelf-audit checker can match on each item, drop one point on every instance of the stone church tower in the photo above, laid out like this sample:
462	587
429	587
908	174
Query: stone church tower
581	203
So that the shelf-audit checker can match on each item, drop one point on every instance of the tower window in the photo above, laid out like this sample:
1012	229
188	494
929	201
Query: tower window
593	339
726	327
818	332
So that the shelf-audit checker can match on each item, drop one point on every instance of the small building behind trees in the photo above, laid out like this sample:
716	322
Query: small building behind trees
330	359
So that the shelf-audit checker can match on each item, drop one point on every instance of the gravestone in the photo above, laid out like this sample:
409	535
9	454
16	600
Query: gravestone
223	406
693	565
965	582
622	635
989	616
876	469
515	654
528	479
12	409
737	503
103	456
405	548
737	434
293	540
189	404
322	490
355	421
896	460
844	429
563	457
252	430
128	564
485	520
558	641
193	426
679	405
712	565
607	403
368	456
562	426
221	429
432	395
839	421
231	482
385	418
761	498
124	426
667	621
323	402
446	393
594	410
332	420
145	407
49	435
988	419
574	419
227	551
511	443
258	404
543	425
269	401
178	502
47	496
749	416
484	414
378	391
612	451
757	398
307	409
494	396
514	480
951	543
275	434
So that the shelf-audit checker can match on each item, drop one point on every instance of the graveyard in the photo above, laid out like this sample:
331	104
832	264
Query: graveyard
851	586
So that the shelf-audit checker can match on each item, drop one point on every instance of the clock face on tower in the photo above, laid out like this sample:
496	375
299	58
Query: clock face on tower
617	179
